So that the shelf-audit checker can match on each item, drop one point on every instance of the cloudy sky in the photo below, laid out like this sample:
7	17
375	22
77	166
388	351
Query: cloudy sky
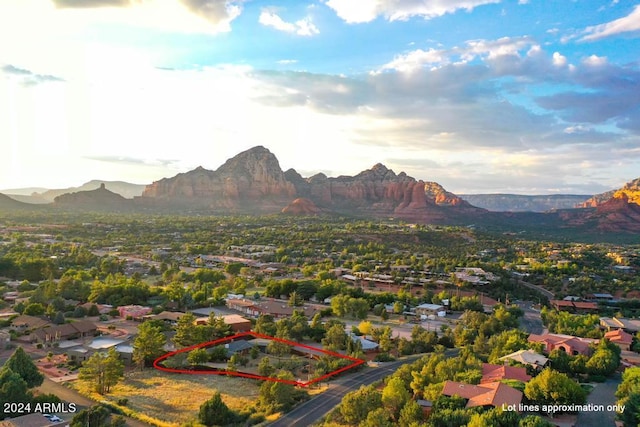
482	96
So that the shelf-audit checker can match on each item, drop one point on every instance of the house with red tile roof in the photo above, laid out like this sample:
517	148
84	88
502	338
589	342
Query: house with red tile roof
495	373
574	306
489	394
570	344
621	338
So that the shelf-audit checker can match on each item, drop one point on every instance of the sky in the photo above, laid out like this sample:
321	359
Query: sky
481	96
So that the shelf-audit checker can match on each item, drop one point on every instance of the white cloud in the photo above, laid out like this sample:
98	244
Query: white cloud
629	23
359	11
302	27
595	61
559	60
473	49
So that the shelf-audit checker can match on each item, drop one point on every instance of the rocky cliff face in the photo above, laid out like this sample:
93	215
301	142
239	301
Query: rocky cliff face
615	211
254	178
631	190
251	176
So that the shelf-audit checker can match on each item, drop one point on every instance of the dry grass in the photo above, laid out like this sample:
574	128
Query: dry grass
173	399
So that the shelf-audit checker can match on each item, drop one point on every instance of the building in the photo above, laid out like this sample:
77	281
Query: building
574	306
494	394
494	373
567	343
133	311
67	331
277	309
527	357
24	323
620	338
631	326
430	309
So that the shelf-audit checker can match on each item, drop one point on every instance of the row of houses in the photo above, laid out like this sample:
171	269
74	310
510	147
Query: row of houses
277	309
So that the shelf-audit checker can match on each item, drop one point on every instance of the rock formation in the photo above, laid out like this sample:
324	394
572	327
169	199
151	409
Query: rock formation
630	189
253	180
253	177
100	199
302	206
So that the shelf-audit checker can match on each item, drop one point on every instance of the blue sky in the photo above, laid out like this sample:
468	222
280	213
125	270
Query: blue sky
482	96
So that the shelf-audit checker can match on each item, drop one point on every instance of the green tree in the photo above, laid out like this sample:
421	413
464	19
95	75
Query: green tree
186	332
554	388
265	325
34	309
214	412
198	356
13	389
394	396
94	416
21	364
410	414
631	414
534	421
265	368
279	396
358	404
335	338
102	370
149	344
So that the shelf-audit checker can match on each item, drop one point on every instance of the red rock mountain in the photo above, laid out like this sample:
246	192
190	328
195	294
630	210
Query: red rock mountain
615	211
253	180
630	189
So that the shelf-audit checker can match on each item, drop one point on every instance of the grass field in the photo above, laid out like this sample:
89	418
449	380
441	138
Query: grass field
174	399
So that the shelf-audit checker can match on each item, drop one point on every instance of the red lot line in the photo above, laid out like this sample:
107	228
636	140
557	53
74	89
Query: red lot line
356	362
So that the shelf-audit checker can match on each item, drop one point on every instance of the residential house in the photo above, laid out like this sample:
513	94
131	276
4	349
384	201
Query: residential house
574	306
494	373
495	394
67	331
430	309
527	357
621	338
277	309
133	311
570	344
24	323
631	326
235	321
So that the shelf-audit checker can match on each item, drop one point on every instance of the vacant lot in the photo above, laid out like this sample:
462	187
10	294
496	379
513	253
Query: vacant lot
176	398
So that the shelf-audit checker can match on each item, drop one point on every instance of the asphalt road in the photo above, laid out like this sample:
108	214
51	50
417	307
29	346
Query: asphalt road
531	321
312	410
71	396
602	394
540	289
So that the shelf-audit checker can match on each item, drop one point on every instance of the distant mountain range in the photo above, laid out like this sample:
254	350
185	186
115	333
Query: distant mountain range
522	203
252	182
44	195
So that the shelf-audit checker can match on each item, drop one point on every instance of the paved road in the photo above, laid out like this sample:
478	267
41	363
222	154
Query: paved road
82	402
531	321
602	394
312	410
540	289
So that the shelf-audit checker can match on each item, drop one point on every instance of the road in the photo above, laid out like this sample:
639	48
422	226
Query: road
540	289
531	321
82	402
602	394
312	410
